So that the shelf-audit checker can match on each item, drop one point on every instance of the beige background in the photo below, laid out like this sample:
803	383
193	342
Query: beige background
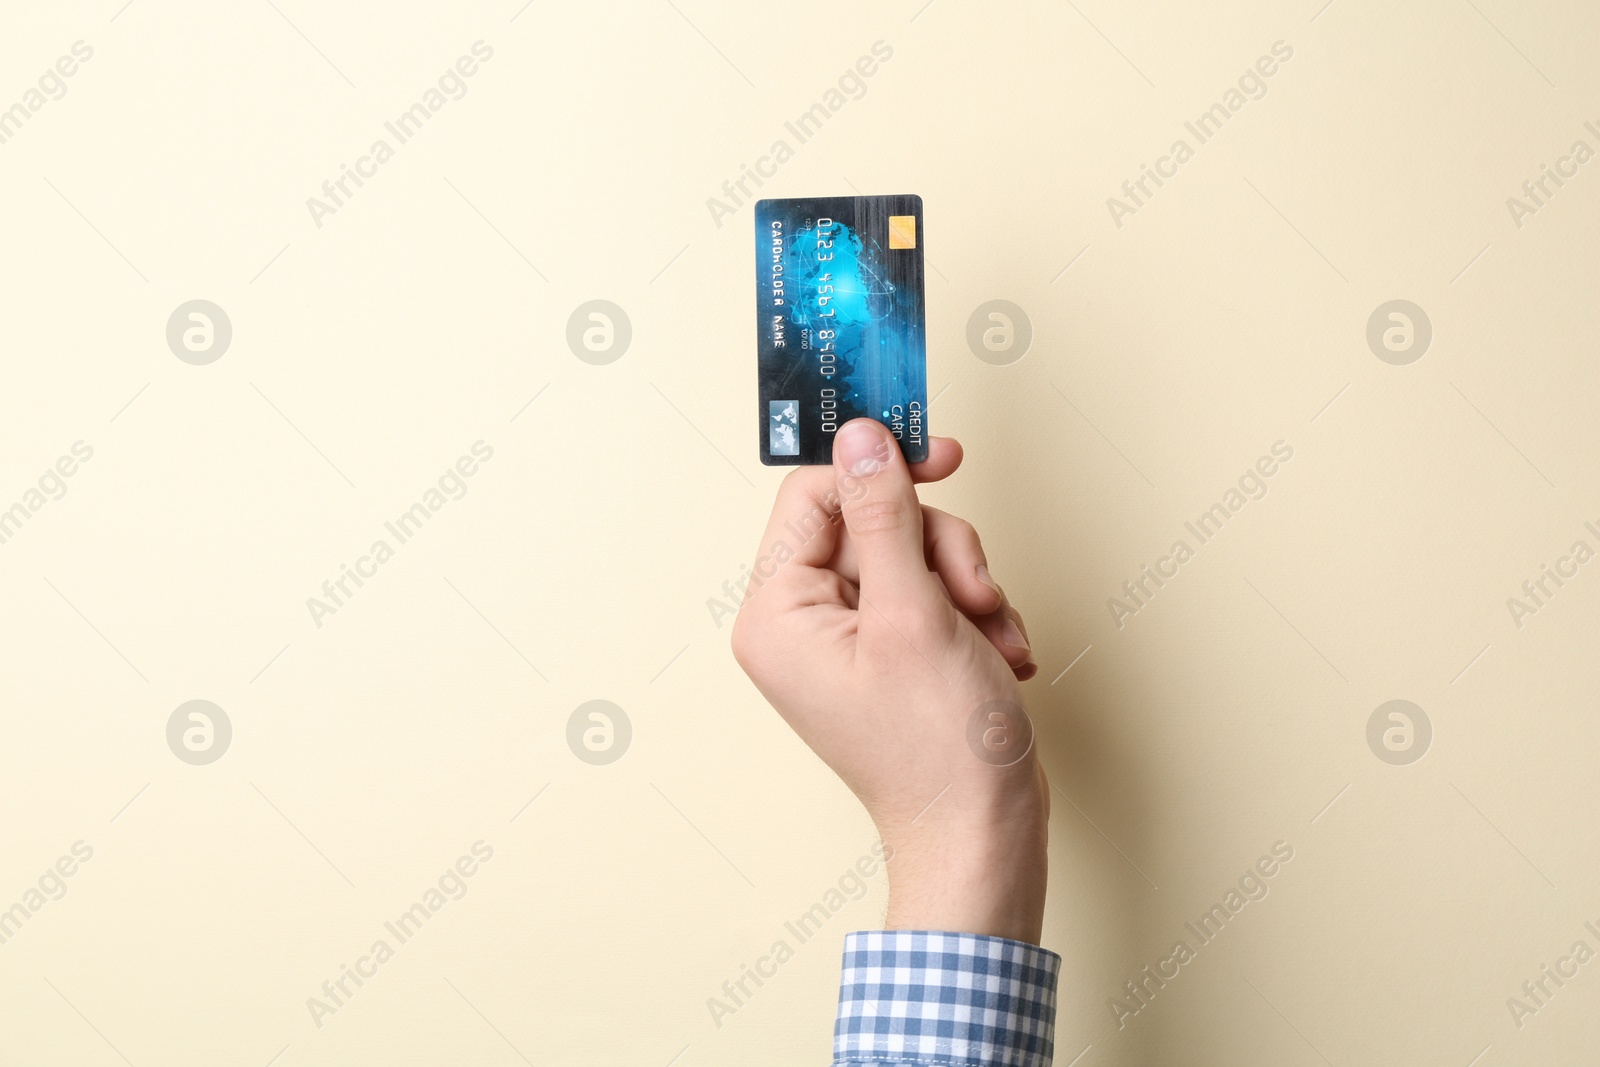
368	354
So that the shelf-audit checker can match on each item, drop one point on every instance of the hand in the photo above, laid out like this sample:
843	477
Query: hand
888	648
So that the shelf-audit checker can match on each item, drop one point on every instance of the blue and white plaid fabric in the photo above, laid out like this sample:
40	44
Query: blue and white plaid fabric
921	996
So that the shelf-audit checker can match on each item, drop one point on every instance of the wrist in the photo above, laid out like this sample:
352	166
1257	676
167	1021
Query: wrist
978	872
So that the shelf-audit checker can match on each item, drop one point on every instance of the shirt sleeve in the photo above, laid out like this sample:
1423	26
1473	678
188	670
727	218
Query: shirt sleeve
945	1000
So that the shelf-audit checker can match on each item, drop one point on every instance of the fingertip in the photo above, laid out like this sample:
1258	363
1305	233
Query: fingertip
862	448
982	570
948	445
1012	635
982	596
944	458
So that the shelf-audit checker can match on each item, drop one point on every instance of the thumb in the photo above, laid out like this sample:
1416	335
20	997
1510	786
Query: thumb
881	512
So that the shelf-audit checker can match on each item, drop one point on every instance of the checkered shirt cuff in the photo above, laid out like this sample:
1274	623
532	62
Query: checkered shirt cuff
926	997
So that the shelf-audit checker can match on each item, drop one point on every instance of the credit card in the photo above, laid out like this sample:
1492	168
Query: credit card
840	323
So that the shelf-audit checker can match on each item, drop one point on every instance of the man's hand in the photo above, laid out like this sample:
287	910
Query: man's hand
886	645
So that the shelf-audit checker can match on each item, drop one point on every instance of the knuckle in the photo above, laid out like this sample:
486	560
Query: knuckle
879	516
744	642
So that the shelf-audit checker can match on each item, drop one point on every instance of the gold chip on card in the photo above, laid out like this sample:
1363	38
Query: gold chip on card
902	231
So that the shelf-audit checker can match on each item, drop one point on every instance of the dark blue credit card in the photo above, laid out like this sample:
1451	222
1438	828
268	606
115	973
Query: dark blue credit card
840	323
